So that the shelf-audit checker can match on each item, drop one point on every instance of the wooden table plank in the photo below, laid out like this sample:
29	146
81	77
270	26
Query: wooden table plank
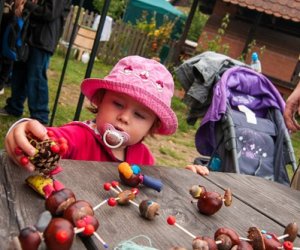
121	223
278	201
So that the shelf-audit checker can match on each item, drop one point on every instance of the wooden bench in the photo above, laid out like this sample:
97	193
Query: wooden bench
84	40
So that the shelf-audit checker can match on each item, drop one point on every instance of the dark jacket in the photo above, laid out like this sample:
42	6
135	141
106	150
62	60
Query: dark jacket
46	23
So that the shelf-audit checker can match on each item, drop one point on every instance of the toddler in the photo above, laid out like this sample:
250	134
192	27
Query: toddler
133	101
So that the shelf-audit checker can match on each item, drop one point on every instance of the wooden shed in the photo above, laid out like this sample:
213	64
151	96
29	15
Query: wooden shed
274	24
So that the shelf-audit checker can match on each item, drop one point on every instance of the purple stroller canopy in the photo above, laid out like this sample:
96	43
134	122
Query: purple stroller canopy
237	86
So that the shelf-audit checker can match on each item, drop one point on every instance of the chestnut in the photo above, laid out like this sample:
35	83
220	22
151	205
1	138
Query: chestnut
59	234
89	220
58	201
204	243
244	245
209	203
29	238
292	230
232	235
77	211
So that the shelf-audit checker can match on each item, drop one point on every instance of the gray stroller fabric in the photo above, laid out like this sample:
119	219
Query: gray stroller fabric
198	76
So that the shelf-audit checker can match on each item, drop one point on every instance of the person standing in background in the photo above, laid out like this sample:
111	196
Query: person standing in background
11	9
291	112
29	79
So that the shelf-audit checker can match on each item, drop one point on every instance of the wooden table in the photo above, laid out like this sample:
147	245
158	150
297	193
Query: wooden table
256	202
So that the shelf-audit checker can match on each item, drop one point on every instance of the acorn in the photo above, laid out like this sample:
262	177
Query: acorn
149	209
125	196
58	201
59	234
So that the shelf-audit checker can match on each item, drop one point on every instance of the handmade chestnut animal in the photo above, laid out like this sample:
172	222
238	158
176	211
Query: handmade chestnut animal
132	176
210	202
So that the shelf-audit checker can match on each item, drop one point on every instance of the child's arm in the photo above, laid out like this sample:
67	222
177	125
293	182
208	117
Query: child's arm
16	137
198	169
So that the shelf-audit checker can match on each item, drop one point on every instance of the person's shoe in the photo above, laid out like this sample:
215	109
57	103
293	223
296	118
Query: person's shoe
2	91
3	112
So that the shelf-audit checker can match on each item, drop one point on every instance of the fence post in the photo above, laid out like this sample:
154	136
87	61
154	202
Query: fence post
93	55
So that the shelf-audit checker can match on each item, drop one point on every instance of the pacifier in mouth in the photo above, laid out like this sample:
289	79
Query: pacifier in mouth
114	138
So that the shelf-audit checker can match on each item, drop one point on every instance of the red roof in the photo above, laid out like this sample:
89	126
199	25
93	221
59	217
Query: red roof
287	9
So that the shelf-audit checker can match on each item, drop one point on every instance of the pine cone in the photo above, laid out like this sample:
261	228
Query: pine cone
45	160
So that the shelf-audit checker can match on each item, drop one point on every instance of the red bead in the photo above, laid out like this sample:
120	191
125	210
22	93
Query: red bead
287	245
107	186
89	230
135	191
63	148
55	148
88	219
50	133
80	223
171	220
61	236
18	151
62	140
111	202
24	160
115	184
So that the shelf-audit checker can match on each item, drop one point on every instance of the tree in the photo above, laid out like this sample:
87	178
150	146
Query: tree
116	8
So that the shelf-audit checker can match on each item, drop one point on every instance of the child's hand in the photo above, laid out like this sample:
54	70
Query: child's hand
198	169
17	138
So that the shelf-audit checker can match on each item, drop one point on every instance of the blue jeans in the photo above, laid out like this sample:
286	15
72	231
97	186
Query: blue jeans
29	80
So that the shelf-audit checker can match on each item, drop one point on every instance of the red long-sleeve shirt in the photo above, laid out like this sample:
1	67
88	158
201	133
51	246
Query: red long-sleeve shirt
85	143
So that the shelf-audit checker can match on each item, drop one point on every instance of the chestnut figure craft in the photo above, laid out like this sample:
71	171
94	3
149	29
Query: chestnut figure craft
132	176
148	209
210	202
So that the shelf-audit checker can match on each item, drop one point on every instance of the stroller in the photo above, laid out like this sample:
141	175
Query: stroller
243	130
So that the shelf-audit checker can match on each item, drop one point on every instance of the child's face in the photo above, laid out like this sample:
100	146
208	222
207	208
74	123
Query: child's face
125	114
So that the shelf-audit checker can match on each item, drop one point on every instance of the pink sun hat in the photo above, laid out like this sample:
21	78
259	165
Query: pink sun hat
145	80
